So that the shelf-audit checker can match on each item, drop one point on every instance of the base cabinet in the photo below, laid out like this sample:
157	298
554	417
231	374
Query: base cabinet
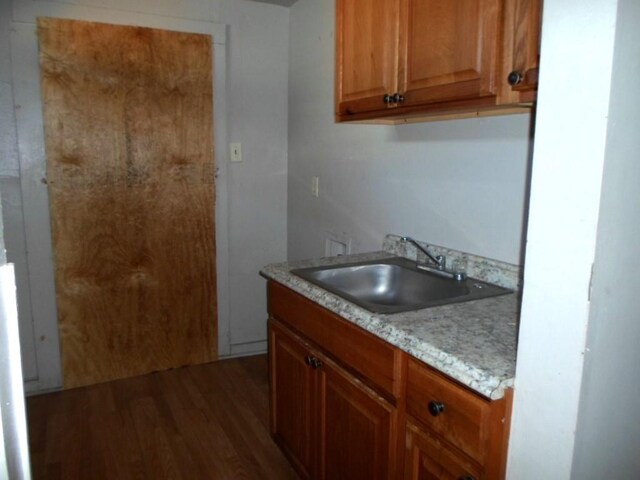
292	400
329	424
346	405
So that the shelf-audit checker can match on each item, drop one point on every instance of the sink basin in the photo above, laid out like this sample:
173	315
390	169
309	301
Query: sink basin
395	285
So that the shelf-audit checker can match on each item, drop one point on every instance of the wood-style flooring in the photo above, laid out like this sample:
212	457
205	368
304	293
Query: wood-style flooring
199	422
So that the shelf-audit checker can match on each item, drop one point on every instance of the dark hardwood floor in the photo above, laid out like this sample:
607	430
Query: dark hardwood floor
201	422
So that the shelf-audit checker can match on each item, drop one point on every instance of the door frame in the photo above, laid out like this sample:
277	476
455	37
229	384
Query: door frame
35	199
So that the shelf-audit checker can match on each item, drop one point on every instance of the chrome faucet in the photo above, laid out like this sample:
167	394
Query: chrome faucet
439	261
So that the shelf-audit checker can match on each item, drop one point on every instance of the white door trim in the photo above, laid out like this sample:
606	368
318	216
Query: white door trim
35	201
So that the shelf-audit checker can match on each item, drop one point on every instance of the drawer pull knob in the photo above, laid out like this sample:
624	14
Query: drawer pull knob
515	78
436	408
313	362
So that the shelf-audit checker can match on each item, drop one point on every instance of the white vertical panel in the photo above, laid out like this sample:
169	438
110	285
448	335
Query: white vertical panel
608	431
569	149
14	424
35	201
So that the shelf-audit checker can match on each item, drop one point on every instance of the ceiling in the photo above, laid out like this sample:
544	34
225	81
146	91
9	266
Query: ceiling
284	3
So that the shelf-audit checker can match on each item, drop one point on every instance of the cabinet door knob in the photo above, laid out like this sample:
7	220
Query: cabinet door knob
387	98
466	477
514	78
436	408
315	363
398	98
308	360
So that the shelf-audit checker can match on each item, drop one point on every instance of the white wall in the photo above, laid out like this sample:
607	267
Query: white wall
257	107
569	153
460	184
251	203
608	431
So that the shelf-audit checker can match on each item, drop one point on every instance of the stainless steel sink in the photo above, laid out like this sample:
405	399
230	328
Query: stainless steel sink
395	285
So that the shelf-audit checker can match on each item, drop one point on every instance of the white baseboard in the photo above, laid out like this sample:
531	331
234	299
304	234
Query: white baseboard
32	387
246	349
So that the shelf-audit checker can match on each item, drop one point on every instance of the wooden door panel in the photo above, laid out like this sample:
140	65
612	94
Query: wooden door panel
129	143
292	387
449	49
357	429
427	458
526	43
367	53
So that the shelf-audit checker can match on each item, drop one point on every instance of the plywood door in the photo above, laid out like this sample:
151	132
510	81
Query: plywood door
129	144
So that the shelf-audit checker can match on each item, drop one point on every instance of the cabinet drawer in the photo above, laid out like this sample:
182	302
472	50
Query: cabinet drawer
357	350
464	418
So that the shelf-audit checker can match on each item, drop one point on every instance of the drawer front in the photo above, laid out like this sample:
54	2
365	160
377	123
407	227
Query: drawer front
464	417
374	359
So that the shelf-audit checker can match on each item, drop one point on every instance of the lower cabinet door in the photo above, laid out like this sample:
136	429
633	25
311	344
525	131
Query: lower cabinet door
292	404
427	458
357	429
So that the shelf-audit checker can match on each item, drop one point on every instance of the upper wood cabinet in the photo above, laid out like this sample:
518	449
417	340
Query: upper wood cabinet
449	50
367	40
407	58
526	17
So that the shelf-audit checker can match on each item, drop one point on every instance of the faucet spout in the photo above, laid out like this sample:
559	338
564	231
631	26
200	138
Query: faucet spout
438	261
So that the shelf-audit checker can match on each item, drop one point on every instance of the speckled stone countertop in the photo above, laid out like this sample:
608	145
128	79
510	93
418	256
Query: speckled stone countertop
472	342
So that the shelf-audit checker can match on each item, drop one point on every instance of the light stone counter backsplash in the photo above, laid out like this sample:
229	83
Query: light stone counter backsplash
473	342
493	271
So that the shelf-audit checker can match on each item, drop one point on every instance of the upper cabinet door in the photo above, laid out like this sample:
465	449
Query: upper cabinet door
366	54
449	49
523	75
